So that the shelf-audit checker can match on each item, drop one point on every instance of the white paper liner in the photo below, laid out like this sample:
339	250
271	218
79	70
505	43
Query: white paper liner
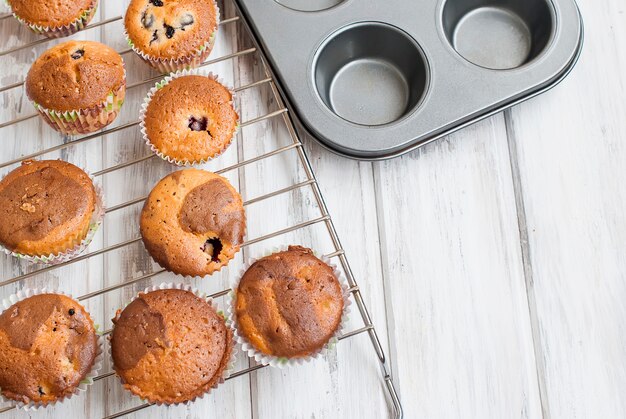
94	224
60	31
159	85
230	365
85	121
85	382
282	362
169	65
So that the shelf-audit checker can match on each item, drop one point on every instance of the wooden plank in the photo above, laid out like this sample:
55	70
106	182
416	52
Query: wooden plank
569	152
454	283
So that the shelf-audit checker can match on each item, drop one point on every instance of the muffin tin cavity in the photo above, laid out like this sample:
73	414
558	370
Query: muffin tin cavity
364	81
309	5
498	35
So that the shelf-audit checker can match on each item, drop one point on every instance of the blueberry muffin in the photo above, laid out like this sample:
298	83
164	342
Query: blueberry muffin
46	207
170	346
54	18
77	86
48	345
288	304
172	35
193	222
190	120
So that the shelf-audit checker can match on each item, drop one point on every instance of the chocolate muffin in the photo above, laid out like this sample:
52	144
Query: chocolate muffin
170	346
190	120
172	34
77	86
193	222
289	304
54	18
46	207
48	345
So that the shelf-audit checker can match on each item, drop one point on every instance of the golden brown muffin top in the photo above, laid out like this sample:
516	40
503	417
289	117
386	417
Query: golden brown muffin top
170	346
191	118
51	13
170	29
42	203
75	75
193	222
289	304
48	345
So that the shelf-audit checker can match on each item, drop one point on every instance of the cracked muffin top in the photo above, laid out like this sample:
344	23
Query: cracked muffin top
289	304
52	13
191	119
193	222
170	29
170	346
75	75
45	207
48	345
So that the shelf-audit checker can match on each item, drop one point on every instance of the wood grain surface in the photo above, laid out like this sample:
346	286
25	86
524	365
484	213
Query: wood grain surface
493	261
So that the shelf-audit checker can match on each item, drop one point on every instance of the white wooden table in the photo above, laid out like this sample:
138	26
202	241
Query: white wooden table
493	261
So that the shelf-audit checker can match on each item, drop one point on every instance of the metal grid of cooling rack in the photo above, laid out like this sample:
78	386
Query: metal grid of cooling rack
295	146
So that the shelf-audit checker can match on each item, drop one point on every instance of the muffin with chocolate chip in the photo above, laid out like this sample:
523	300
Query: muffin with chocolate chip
170	346
54	18
172	34
48	345
288	305
77	86
47	207
193	222
190	119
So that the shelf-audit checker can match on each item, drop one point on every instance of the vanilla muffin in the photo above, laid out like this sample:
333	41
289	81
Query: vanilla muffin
77	86
190	120
193	222
170	346
172	35
288	304
46	207
54	18
48	345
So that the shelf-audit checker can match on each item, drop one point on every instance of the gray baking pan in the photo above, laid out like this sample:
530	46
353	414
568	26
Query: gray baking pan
372	79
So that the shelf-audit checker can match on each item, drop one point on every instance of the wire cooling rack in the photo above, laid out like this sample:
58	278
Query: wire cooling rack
37	275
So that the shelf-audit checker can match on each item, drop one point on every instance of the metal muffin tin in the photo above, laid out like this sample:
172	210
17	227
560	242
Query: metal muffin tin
372	79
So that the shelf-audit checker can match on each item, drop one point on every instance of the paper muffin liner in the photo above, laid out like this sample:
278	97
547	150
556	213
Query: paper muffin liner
60	31
85	121
230	365
158	86
193	60
282	362
76	244
85	382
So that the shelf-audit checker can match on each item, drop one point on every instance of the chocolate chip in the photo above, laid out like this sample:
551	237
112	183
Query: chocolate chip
157	3
169	30
213	247
186	20
77	54
41	392
155	36
71	312
196	124
147	20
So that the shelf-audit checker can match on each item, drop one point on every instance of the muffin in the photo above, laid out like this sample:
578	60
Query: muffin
48	345
172	35
288	305
170	346
54	18
77	86
189	119
193	222
47	207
